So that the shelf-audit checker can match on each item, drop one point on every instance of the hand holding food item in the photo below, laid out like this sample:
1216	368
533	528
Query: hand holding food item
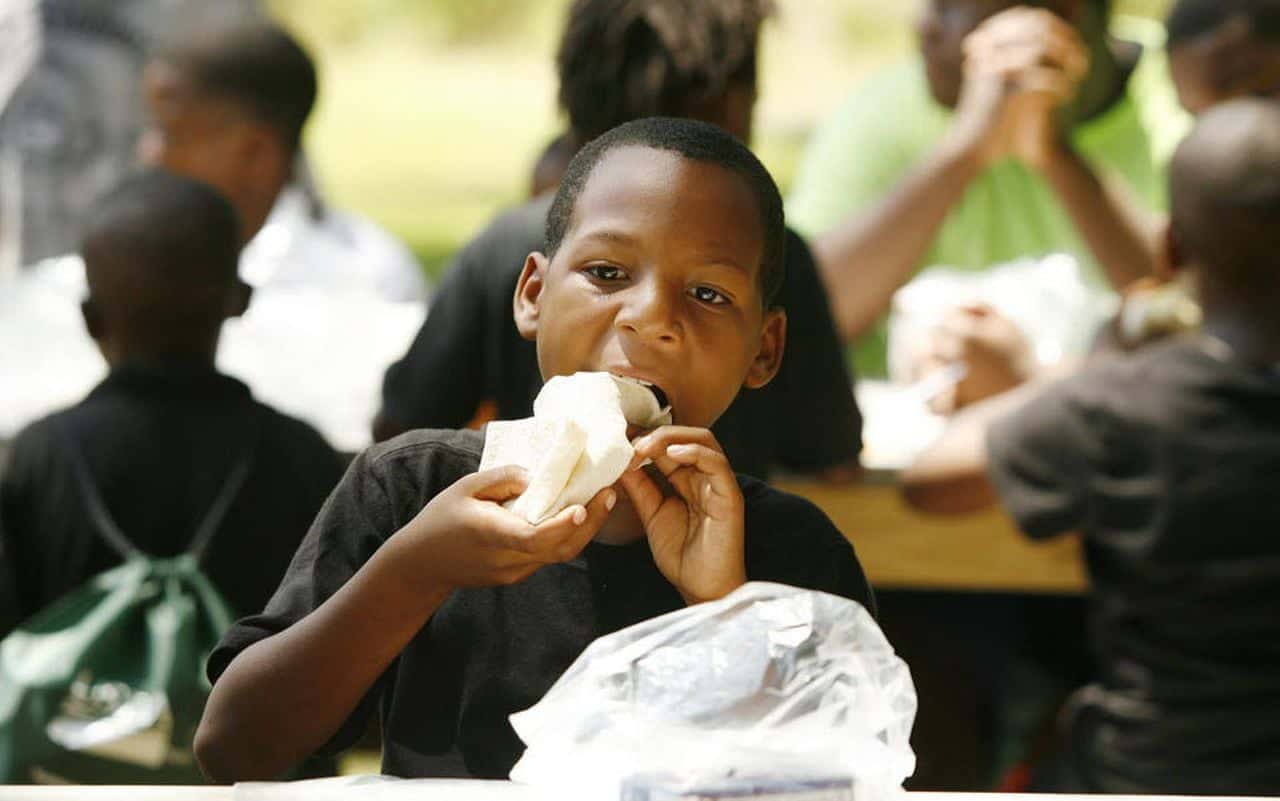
576	442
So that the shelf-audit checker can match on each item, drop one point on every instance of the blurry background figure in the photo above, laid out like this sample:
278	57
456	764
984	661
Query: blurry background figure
1224	49
20	42
550	166
69	131
307	243
226	97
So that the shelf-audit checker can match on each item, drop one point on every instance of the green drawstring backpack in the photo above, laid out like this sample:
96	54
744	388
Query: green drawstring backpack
107	685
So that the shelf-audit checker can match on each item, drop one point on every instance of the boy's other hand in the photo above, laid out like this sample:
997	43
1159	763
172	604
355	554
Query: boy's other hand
1021	66
465	538
695	523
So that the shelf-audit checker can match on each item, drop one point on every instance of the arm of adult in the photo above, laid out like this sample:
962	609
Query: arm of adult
950	476
870	255
1032	449
285	696
1118	234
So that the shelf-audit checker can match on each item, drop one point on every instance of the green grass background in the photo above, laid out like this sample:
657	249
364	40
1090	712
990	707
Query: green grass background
431	112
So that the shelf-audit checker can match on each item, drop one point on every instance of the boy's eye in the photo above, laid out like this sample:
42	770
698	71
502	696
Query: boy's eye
708	295
605	272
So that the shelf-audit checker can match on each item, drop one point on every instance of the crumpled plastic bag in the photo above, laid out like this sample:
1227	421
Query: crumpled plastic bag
769	681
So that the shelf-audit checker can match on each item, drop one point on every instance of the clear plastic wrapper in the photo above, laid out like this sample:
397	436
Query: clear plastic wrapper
772	684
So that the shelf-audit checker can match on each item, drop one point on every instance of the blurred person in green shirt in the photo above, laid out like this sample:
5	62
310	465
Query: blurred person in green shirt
1018	130
1217	50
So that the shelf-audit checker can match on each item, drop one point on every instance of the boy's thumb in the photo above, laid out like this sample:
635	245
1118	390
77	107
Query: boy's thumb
496	484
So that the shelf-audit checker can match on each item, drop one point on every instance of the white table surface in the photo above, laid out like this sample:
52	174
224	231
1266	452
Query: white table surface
423	790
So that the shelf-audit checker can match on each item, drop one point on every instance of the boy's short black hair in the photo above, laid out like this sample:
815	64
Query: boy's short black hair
690	139
161	251
255	64
624	59
1191	19
1225	202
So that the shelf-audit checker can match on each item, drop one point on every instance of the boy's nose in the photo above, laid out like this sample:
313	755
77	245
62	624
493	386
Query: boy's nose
651	311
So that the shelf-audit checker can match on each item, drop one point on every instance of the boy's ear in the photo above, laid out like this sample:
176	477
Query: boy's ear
1171	257
773	341
92	319
526	304
238	299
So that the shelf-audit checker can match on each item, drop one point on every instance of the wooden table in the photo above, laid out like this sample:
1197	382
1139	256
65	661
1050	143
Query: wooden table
901	548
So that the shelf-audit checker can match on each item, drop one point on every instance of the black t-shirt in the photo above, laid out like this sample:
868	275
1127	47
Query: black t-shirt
490	652
1166	461
159	447
469	352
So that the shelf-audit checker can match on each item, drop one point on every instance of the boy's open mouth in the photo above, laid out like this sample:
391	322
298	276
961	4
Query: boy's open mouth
663	400
659	394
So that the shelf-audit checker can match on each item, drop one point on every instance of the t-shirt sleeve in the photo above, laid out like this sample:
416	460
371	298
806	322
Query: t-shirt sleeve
355	520
1039	459
822	426
859	153
439	383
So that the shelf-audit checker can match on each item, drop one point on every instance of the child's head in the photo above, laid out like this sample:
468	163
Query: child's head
943	25
550	166
1223	49
227	105
620	60
664	254
1225	209
160	256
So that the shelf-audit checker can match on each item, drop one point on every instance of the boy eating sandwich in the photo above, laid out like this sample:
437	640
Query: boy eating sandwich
418	594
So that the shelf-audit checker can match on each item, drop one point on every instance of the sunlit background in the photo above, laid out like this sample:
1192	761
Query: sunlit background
431	112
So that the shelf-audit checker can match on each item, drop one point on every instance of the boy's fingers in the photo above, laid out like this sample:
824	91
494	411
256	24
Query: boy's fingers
498	484
504	529
655	443
597	512
711	465
563	536
644	494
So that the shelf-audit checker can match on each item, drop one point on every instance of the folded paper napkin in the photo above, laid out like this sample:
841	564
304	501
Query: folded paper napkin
576	442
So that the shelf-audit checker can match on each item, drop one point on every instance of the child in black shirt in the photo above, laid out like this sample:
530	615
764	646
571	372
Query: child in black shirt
416	593
1165	461
163	431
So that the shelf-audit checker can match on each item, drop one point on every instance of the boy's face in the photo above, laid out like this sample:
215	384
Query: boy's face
199	136
658	278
